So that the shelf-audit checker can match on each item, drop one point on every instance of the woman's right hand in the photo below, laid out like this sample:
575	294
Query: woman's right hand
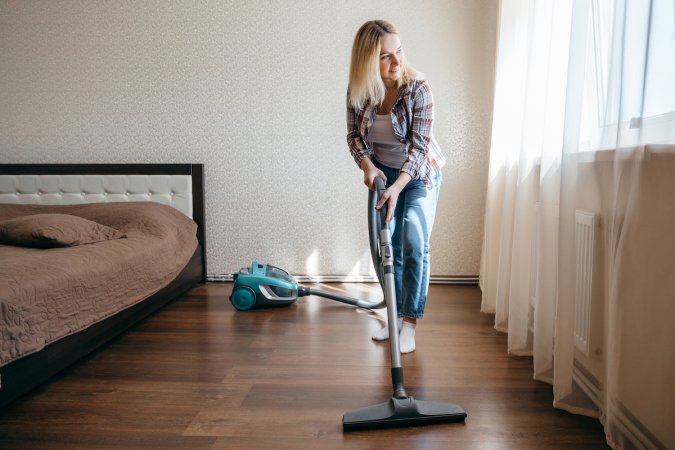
370	172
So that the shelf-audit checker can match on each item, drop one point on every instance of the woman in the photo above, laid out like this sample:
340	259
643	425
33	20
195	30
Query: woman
389	119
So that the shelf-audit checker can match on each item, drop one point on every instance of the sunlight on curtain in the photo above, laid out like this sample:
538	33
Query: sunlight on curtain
584	127
526	143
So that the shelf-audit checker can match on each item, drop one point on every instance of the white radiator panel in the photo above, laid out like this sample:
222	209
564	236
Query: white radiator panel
534	274
585	244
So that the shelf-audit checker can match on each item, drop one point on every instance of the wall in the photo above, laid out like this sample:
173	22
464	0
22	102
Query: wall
256	91
632	360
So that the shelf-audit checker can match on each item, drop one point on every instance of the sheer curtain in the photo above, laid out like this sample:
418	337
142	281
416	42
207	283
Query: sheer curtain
578	261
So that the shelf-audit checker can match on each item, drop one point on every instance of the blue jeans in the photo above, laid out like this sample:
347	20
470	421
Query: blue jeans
411	228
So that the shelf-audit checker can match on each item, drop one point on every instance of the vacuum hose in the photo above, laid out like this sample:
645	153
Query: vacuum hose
375	221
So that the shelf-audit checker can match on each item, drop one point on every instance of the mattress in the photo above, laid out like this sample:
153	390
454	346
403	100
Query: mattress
49	293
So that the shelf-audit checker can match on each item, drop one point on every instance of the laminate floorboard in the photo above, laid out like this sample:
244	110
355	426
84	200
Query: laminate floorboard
198	374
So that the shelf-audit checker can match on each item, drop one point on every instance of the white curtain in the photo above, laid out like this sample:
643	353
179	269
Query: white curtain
584	139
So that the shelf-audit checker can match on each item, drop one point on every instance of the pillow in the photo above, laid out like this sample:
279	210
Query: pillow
54	230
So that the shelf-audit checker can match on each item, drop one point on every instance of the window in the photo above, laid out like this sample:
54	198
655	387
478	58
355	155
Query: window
629	91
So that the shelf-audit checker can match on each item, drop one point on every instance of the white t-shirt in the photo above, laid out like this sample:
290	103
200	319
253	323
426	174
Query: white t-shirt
388	150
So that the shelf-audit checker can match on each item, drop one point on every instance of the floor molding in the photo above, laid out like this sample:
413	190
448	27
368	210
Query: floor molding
625	423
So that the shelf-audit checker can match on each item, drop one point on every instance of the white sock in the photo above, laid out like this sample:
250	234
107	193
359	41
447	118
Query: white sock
407	337
383	333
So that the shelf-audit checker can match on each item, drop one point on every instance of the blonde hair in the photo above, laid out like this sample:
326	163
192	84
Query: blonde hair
365	81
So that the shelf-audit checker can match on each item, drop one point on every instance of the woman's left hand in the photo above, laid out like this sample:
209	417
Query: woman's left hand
390	197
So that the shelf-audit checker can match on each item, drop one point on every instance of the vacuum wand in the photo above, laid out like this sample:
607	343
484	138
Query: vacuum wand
401	409
389	287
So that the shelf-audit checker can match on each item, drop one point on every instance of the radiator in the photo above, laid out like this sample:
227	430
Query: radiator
585	245
534	273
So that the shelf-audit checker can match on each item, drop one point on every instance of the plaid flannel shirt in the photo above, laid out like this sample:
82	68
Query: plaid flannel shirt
413	114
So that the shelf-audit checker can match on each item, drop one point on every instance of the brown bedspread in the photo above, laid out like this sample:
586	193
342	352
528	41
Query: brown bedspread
47	294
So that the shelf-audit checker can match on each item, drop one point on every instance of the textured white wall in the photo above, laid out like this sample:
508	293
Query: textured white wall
256	91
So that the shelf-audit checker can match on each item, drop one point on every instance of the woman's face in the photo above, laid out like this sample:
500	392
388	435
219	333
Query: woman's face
391	59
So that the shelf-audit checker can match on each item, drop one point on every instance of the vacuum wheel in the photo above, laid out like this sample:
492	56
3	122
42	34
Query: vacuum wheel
243	298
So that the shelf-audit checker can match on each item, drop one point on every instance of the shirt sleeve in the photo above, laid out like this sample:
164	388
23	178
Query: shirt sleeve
356	143
420	130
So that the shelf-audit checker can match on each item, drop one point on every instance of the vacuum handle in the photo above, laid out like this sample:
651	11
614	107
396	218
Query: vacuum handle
379	190
375	224
379	183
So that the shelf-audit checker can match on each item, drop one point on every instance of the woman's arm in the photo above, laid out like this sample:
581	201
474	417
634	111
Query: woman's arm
356	143
420	130
357	146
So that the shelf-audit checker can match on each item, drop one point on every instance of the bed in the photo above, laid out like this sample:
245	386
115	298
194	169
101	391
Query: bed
87	251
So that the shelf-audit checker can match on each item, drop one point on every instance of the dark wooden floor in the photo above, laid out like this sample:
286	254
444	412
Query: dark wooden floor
200	375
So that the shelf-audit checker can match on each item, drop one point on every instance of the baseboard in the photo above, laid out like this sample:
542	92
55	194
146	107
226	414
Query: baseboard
469	280
588	383
626	424
633	431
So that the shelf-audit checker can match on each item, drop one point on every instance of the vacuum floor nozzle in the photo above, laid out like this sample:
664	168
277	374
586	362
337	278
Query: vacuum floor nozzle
402	412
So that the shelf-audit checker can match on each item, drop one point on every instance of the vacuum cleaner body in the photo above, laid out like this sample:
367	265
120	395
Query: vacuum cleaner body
263	286
266	286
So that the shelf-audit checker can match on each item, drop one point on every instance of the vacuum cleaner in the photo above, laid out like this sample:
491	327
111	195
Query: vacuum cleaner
264	285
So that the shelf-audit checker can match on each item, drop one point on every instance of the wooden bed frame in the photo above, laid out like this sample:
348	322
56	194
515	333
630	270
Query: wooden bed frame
22	375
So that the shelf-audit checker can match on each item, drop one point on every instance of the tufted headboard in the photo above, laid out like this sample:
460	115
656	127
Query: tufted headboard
178	185
173	190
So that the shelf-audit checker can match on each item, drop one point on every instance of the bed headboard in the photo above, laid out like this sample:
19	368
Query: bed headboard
178	185
173	190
